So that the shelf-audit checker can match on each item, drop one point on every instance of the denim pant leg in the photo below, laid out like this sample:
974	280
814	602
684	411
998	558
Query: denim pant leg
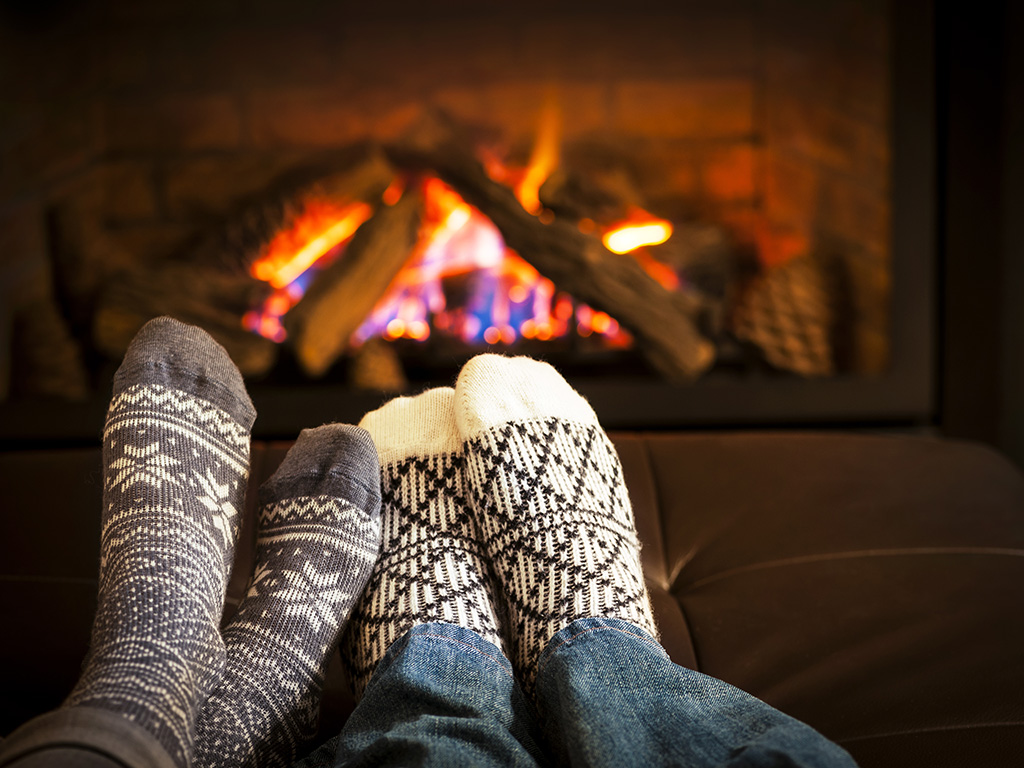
608	695
441	696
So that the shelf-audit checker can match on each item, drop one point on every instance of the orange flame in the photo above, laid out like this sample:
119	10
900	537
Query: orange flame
508	298
458	248
321	228
641	229
545	156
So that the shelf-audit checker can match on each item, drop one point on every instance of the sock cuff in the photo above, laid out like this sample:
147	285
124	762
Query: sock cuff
168	352
422	425
336	460
493	390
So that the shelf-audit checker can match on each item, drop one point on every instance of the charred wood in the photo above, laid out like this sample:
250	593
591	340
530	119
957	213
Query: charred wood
375	365
245	236
47	361
789	314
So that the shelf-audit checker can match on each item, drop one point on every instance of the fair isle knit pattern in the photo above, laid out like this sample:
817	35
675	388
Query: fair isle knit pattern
432	568
319	539
552	504
175	472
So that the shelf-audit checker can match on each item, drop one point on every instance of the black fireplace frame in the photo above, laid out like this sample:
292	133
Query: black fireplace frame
904	396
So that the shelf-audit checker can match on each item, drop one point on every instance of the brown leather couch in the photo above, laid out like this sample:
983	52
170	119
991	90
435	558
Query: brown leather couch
872	586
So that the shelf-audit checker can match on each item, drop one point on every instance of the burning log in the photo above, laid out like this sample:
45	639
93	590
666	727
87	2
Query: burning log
246	236
599	196
662	321
711	264
704	254
343	295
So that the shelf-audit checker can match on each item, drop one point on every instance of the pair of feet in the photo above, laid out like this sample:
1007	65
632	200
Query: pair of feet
427	512
505	512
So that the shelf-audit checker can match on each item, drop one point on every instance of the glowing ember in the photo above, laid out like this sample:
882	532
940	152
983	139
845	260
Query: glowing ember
629	237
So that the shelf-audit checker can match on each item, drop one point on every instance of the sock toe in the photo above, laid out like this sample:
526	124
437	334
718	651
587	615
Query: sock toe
493	390
547	490
336	460
422	425
176	461
431	567
320	536
173	354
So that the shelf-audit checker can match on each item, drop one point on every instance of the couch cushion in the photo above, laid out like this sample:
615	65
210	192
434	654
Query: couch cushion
871	586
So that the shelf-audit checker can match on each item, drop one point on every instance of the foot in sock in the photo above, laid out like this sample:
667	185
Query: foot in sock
431	567
547	490
319	538
176	462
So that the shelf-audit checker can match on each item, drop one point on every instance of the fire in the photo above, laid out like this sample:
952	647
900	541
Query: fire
544	158
319	230
499	297
507	298
545	155
638	231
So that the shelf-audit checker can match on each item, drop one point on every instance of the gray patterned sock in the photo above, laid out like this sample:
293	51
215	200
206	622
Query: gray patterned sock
319	539
547	488
176	461
432	567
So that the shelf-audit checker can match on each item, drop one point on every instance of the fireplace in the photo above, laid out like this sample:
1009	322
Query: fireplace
790	283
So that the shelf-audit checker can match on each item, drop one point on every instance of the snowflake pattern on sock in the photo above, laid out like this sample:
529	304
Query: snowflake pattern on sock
313	558
176	468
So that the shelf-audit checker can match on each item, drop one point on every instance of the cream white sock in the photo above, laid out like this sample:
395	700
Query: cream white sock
547	489
432	567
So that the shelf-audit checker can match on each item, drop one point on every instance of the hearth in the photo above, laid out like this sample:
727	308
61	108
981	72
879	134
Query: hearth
349	243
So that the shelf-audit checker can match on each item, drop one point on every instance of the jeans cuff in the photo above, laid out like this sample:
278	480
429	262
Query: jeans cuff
448	633
565	637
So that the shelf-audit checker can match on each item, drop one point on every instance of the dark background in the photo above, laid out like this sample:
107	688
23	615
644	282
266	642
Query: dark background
980	80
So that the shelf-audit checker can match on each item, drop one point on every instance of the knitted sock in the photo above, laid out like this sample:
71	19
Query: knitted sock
432	568
547	488
319	539
176	461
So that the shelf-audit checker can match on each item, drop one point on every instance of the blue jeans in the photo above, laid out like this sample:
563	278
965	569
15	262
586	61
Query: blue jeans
607	695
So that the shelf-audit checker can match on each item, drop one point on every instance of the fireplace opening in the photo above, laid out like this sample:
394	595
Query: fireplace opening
703	215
